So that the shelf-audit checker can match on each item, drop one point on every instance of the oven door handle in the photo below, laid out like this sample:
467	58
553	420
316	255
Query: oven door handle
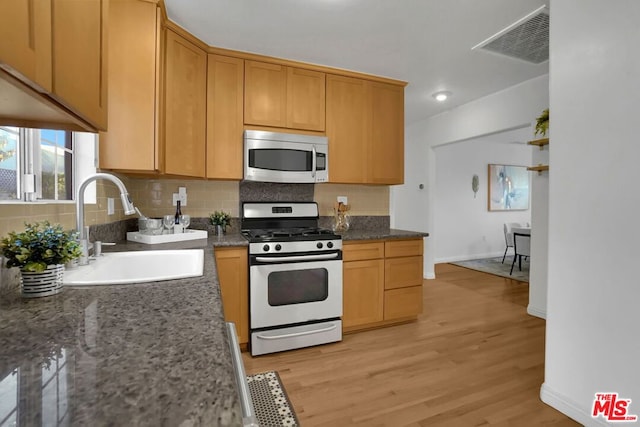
297	258
296	334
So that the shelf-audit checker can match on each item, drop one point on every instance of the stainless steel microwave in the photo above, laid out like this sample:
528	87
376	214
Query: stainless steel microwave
285	157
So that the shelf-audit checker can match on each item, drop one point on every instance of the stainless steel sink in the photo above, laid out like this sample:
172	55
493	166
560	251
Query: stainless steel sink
118	268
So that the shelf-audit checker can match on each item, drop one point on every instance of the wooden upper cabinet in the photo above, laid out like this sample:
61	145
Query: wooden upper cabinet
79	32
284	97
225	97
348	128
265	97
131	142
305	99
185	99
386	152
365	126
25	40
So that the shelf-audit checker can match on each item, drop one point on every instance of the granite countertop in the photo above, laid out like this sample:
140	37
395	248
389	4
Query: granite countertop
145	354
380	233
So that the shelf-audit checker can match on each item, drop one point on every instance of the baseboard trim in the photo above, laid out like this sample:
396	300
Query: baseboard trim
534	311
468	257
569	407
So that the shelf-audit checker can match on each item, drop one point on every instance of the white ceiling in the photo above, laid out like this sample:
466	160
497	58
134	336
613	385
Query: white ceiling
424	42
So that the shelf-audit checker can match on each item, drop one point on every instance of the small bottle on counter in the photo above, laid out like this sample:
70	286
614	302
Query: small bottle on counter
177	227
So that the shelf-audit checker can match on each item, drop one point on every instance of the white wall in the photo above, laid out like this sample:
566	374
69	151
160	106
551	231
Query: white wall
540	236
414	209
593	320
466	228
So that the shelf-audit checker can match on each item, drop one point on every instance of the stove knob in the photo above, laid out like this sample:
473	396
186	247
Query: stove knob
330	245
319	245
265	248
278	247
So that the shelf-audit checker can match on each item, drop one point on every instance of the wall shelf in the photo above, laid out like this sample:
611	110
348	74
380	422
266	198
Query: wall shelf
539	168
539	142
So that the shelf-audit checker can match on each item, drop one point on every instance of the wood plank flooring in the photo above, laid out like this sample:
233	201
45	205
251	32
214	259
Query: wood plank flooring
473	358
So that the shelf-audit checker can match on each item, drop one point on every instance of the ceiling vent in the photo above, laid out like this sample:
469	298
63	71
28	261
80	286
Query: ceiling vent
526	39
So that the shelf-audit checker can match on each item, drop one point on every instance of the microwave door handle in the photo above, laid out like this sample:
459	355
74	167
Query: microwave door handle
313	162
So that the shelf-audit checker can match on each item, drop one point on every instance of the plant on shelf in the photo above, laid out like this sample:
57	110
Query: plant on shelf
38	246
220	219
542	123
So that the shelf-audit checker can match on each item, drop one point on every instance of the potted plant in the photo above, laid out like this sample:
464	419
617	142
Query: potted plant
220	220
542	123
40	251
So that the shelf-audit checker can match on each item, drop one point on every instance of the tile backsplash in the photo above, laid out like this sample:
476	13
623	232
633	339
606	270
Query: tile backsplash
154	198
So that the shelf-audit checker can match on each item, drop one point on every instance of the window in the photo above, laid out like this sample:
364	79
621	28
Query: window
39	164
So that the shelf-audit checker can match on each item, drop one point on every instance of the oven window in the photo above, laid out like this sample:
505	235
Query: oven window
281	159
297	286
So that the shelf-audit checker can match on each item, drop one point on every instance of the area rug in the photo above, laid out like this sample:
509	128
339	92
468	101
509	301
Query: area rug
270	400
495	266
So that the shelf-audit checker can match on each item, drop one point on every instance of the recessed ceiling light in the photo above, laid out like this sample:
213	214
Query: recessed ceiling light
442	95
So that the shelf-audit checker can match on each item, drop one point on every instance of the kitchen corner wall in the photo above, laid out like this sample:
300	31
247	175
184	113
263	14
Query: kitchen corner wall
154	198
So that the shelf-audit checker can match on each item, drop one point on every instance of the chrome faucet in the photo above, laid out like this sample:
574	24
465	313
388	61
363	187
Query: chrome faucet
83	234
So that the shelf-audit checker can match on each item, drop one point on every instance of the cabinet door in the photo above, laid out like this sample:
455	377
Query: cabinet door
265	96
348	128
305	99
131	142
185	107
25	40
386	150
80	57
363	292
402	302
232	267
225	97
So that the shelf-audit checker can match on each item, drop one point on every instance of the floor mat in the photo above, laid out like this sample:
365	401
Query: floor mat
270	400
495	266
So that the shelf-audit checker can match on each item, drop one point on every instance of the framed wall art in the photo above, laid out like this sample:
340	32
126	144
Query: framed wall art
508	188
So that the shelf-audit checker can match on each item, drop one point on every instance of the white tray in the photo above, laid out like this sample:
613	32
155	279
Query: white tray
166	238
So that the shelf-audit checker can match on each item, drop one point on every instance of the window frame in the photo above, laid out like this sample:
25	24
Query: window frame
29	159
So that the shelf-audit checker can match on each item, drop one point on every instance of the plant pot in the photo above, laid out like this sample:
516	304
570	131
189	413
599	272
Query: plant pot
42	283
220	230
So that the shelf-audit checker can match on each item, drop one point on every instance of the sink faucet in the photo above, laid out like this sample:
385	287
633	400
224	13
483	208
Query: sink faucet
129	209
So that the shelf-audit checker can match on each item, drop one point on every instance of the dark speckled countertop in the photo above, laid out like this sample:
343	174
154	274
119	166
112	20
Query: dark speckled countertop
381	233
149	354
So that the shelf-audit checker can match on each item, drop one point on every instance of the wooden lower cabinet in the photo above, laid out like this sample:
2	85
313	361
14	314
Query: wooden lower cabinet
382	282
232	267
363	292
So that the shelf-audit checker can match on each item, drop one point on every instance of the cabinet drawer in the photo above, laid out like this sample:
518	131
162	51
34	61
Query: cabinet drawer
359	251
398	248
402	272
402	302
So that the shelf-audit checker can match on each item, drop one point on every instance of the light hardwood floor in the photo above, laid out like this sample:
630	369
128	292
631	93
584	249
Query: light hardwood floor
473	358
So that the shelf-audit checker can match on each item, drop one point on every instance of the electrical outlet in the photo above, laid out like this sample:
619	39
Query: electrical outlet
343	199
181	197
111	209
